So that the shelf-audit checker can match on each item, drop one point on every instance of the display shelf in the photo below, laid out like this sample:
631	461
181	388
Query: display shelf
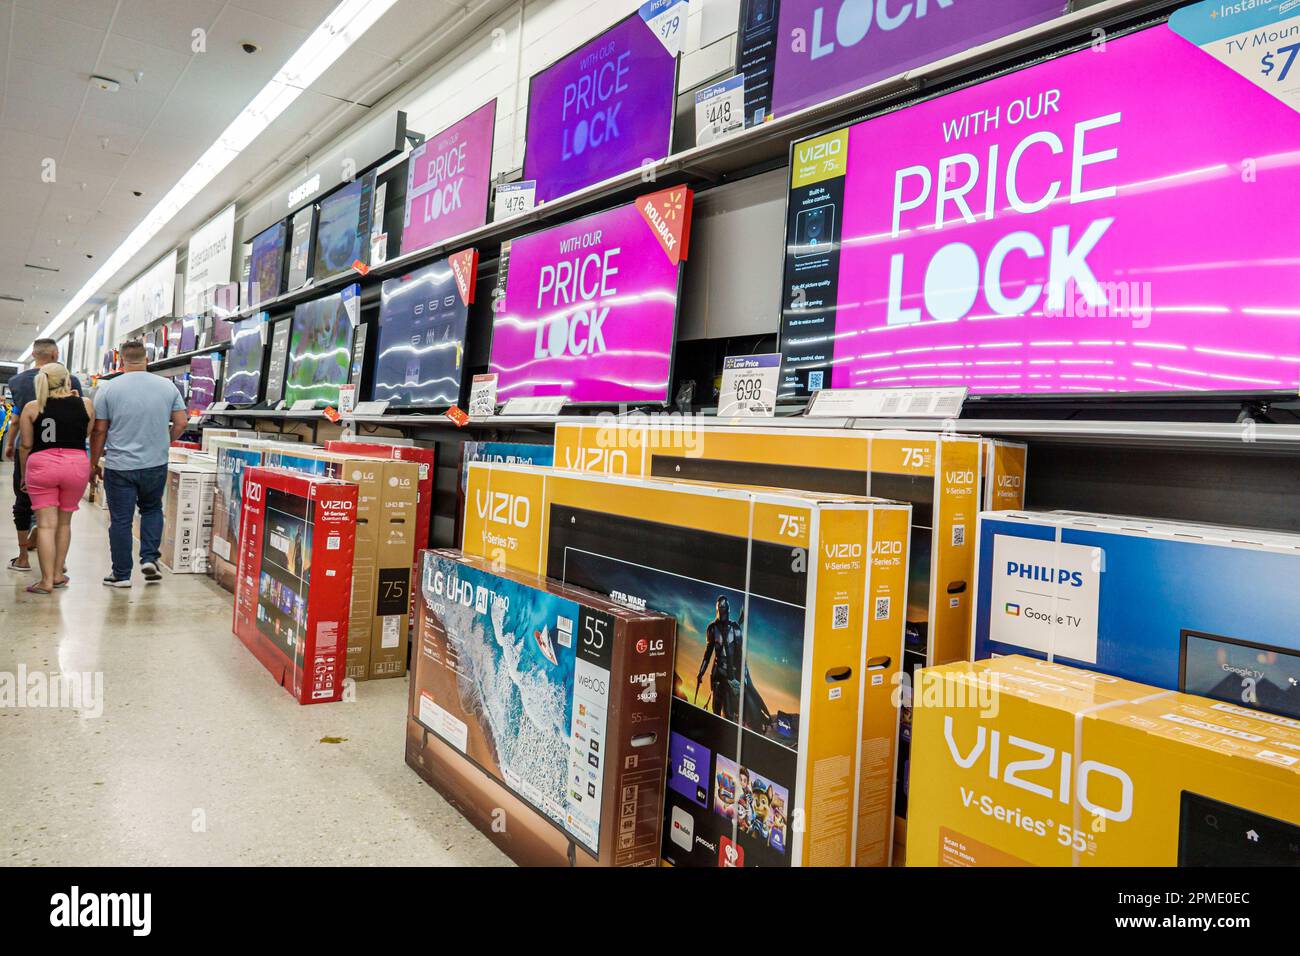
174	361
755	150
267	413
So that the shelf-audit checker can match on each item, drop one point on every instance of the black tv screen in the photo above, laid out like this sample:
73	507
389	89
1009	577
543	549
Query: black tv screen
266	265
343	228
422	321
320	348
243	380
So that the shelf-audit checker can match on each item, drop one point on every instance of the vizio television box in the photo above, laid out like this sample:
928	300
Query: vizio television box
1023	762
387	504
1190	607
546	702
789	637
293	588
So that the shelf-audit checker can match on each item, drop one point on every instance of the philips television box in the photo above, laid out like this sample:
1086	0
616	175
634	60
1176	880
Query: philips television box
387	502
423	317
789	637
294	583
449	181
1025	763
850	45
590	306
320	349
1044	232
546	702
1198	608
604	109
343	228
266	265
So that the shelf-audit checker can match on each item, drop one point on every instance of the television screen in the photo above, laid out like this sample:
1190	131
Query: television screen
448	180
171	337
590	307
422	321
285	579
300	238
190	333
343	228
1057	230
203	383
320	348
602	110
243	382
848	44
266	265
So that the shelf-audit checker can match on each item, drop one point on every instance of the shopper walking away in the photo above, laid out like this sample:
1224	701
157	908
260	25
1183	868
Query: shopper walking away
53	430
137	417
23	388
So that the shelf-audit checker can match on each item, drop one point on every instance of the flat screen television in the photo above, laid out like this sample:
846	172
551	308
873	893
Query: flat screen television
422	321
449	181
190	326
847	45
204	371
266	265
343	228
604	109
590	306
1058	231
301	234
243	378
320	347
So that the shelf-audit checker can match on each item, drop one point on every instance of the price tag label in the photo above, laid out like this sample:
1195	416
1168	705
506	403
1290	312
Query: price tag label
667	18
332	414
379	249
483	396
347	399
456	415
720	110
515	199
887	403
1259	40
548	405
749	384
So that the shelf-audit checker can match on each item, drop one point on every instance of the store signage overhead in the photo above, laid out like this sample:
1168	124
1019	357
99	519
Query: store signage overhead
1049	232
209	257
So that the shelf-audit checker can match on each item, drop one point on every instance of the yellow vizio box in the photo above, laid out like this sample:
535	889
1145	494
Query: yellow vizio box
789	609
1019	762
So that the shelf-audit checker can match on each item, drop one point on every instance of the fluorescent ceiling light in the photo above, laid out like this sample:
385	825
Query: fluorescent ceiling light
338	31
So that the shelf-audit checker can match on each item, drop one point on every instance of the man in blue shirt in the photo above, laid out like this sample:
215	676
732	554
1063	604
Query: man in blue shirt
23	388
137	417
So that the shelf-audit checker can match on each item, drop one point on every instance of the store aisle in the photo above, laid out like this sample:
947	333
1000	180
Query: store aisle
197	758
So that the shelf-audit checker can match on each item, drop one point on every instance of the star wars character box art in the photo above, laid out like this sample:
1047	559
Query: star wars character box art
789	610
541	713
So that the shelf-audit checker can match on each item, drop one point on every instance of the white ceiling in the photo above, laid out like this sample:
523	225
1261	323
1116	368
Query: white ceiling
172	105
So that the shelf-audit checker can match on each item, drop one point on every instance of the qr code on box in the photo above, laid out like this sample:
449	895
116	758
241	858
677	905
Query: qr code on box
840	616
882	609
958	535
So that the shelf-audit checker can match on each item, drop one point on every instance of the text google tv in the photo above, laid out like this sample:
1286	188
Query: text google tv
1059	230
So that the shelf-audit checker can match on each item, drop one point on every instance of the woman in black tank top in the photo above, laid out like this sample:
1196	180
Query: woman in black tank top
55	467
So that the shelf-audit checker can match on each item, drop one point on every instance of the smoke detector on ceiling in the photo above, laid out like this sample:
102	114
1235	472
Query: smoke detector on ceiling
105	83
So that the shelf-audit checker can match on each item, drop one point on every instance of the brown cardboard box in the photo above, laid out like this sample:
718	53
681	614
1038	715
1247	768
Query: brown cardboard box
576	777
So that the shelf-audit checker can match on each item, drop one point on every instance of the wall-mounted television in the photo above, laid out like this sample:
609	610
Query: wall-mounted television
449	181
798	53
343	228
1058	230
266	265
302	233
320	347
602	110
190	329
422	321
590	307
243	371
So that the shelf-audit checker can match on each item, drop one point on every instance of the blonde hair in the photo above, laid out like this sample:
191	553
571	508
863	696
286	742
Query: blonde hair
52	381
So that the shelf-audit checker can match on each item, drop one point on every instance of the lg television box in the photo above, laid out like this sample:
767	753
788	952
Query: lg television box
546	702
187	516
1197	608
425	458
789	637
387	503
293	589
1023	762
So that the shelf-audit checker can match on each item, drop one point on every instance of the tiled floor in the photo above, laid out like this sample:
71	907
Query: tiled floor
198	757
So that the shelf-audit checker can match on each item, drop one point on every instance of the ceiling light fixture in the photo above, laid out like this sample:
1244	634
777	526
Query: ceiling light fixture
337	32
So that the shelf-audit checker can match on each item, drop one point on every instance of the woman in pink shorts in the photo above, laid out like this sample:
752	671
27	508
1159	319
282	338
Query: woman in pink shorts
54	430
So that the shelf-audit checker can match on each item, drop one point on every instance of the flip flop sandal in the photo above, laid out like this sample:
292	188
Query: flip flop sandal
15	566
36	589
62	585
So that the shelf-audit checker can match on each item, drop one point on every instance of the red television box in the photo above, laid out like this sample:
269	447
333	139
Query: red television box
293	590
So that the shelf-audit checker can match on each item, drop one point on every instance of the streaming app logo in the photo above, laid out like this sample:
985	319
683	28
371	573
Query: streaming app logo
683	829
730	854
